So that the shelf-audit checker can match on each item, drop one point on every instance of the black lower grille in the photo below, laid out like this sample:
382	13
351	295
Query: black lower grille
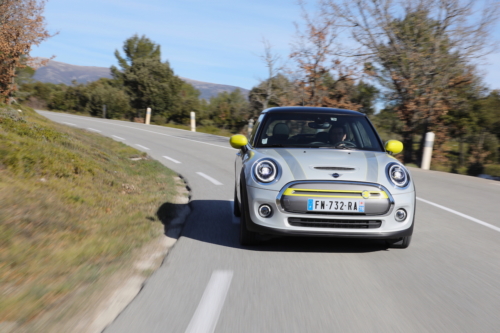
330	223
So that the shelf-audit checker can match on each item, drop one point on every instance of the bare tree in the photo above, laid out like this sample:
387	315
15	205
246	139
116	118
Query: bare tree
314	53
420	51
272	62
22	25
277	89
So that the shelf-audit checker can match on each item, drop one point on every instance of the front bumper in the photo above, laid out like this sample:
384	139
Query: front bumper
278	223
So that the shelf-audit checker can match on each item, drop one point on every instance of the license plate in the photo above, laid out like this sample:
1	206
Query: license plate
336	205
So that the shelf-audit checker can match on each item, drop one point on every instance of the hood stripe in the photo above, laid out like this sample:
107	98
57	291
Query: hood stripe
293	164
371	167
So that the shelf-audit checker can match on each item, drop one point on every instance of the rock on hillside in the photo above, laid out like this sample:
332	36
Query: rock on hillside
60	72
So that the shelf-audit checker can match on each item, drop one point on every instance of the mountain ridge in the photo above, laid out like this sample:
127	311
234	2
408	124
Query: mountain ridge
60	72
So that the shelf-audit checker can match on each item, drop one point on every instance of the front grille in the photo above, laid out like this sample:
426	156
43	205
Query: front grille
294	198
353	195
335	168
330	223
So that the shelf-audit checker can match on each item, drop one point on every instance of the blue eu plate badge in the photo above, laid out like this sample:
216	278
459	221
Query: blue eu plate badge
310	203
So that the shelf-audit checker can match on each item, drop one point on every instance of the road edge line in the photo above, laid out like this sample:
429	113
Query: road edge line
473	219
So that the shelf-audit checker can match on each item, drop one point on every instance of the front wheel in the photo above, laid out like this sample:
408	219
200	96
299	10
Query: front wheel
236	205
247	237
399	243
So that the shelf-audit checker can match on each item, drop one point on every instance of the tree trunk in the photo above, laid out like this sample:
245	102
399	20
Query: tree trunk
408	147
420	153
10	88
461	150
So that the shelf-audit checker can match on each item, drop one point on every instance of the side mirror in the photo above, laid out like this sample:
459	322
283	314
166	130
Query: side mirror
238	141
394	146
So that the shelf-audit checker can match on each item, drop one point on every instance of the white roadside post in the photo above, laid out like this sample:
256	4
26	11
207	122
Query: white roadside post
193	122
104	111
148	115
250	128
427	155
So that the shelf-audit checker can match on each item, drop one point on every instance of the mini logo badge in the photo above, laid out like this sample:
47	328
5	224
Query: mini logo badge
365	194
336	175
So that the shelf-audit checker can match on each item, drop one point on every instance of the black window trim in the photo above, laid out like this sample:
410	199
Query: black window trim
267	116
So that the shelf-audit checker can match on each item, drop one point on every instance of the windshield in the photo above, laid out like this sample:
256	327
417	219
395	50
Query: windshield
312	130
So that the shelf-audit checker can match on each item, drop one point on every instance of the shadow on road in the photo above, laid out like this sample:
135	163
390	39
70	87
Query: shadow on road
212	221
172	216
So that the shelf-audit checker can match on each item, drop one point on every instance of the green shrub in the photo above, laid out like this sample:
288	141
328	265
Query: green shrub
461	170
475	169
492	170
440	167
159	119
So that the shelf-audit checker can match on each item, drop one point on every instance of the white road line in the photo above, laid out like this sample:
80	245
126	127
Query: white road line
171	159
215	181
140	129
142	147
208	311
69	123
93	130
117	137
473	219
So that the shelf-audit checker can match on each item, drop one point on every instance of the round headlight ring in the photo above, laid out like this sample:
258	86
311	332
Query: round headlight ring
400	215
265	171
265	210
398	175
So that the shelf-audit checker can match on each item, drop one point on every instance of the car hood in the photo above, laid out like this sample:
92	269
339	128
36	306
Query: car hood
325	164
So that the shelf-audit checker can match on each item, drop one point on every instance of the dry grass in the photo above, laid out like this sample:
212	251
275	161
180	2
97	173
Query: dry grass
73	206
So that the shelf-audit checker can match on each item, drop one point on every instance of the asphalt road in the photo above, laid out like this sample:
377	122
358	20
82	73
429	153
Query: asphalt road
448	280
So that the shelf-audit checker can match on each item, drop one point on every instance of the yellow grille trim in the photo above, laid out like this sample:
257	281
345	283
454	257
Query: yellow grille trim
296	193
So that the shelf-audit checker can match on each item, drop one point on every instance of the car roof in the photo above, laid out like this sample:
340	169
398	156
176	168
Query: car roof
312	109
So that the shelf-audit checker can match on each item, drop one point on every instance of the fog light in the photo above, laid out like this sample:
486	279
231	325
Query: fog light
265	210
400	215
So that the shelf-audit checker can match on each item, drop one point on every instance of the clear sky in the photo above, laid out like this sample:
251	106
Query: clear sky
216	41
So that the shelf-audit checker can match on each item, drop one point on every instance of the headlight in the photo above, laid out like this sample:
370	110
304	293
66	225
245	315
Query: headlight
398	175
265	171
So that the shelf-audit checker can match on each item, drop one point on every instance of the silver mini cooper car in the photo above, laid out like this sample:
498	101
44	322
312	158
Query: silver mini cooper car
321	172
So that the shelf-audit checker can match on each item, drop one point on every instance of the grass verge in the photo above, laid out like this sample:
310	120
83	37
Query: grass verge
73	207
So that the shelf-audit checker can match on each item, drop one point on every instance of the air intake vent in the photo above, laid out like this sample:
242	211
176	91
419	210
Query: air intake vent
334	223
334	168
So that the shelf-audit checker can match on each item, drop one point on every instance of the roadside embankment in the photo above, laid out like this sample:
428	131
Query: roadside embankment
76	208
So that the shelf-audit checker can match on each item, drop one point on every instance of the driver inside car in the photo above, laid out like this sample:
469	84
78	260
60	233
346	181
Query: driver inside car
337	134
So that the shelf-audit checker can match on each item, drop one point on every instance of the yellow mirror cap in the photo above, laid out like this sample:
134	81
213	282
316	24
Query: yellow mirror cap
394	146
237	141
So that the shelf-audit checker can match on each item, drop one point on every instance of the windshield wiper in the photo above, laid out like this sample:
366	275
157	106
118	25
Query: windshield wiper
343	147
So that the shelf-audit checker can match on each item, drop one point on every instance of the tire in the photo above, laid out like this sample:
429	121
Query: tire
247	237
236	205
399	243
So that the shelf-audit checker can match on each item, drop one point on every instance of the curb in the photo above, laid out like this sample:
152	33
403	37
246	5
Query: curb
112	307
